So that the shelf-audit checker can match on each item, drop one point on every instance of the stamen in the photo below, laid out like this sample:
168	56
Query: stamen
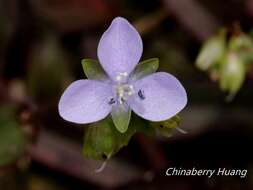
121	100
131	87
121	76
122	88
141	94
112	101
125	74
118	78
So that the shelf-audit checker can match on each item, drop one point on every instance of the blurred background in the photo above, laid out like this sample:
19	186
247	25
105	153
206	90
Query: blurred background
42	43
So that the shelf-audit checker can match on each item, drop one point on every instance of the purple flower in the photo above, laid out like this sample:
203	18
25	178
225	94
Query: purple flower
155	97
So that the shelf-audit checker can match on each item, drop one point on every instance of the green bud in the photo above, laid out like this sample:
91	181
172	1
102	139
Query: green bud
212	52
232	74
243	45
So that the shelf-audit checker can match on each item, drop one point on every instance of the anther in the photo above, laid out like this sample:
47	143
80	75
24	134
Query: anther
118	78
125	74
112	101
121	100
141	94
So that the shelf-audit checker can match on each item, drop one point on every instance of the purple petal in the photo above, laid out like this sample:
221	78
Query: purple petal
120	48
85	101
158	97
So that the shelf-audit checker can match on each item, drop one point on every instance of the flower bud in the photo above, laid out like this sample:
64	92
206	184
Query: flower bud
211	52
232	74
243	45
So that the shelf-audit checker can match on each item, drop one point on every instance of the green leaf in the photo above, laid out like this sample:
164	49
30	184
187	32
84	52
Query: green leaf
165	128
121	115
102	139
145	68
212	51
12	138
93	70
232	75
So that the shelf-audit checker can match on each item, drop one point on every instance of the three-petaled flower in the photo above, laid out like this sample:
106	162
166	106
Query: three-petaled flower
155	97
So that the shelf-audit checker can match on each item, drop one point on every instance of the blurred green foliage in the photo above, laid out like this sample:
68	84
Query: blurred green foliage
12	139
212	52
227	59
232	74
48	70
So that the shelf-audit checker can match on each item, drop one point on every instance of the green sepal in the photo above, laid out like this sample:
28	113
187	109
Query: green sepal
121	115
93	70
145	68
165	128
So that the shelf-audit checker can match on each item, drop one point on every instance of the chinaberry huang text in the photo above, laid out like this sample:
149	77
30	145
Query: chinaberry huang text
173	171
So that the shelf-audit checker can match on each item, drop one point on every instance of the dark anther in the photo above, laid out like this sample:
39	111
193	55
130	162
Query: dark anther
112	101
122	100
141	94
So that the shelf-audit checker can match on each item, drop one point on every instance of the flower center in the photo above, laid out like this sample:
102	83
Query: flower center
123	90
